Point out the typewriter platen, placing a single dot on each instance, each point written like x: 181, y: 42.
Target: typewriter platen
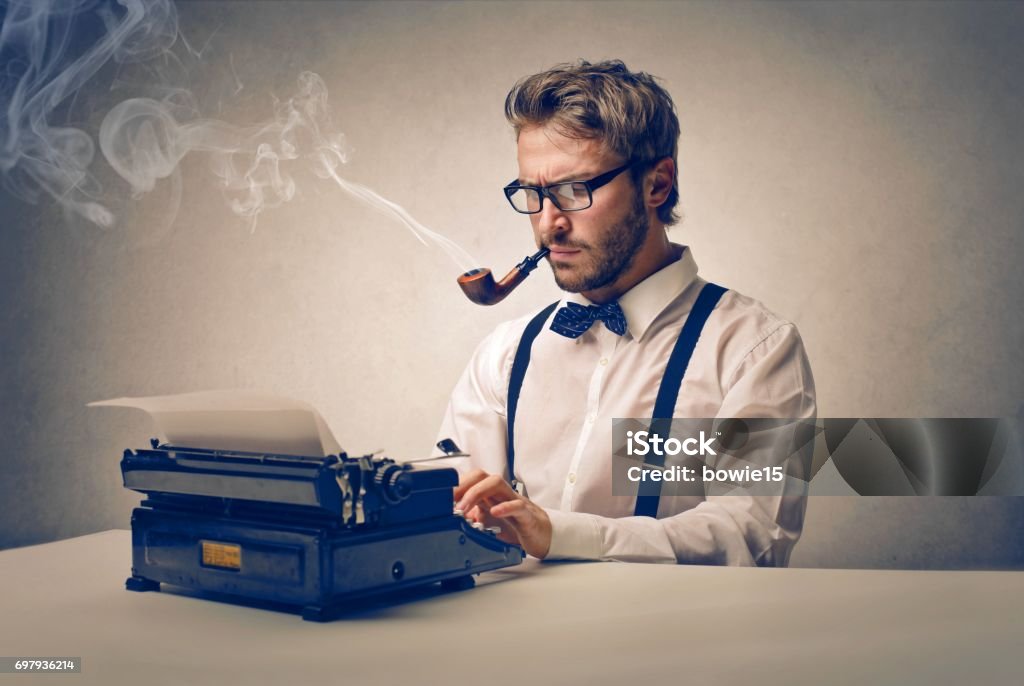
x: 315, y: 533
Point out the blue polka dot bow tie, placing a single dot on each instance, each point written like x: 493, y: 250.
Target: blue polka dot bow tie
x: 572, y: 320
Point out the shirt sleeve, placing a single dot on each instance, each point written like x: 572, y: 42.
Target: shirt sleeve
x: 475, y: 416
x: 773, y: 380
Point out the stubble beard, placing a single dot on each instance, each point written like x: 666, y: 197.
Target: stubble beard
x: 609, y: 259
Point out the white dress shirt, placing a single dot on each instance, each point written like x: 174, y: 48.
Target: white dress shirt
x: 747, y: 363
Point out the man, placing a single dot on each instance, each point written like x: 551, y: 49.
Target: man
x: 597, y: 148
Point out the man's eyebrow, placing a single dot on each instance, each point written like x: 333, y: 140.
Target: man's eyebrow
x: 574, y: 176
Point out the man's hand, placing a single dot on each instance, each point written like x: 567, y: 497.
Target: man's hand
x: 488, y: 498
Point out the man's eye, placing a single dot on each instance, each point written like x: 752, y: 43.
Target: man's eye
x: 565, y: 192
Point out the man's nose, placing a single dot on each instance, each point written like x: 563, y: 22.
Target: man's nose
x: 551, y: 220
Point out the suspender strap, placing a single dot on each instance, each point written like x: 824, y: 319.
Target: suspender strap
x: 515, y: 382
x: 664, y: 407
x: 668, y: 392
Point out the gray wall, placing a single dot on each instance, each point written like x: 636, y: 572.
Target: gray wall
x: 854, y: 166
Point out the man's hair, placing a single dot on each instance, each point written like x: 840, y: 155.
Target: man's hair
x: 628, y: 111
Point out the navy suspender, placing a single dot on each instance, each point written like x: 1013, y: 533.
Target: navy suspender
x: 664, y: 406
x: 515, y: 383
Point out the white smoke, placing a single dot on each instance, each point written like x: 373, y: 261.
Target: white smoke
x: 35, y: 38
x: 329, y: 164
x: 144, y: 142
x: 144, y: 139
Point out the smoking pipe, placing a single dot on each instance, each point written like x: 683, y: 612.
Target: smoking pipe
x: 480, y: 287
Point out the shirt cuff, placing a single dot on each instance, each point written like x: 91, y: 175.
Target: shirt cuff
x: 574, y: 536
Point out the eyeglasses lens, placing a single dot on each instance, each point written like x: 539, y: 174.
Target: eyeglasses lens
x: 572, y: 196
x: 525, y: 200
x: 567, y: 196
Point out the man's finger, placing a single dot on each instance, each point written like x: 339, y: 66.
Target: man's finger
x: 491, y: 487
x: 468, y: 481
x: 484, y: 488
x: 509, y: 508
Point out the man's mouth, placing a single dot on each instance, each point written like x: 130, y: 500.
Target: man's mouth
x: 563, y: 250
x: 564, y: 254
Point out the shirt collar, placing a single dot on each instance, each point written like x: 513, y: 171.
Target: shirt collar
x: 645, y: 301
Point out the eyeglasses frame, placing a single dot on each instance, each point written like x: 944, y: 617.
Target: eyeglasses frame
x: 545, y: 191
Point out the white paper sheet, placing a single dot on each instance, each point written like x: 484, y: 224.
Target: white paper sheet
x: 236, y: 420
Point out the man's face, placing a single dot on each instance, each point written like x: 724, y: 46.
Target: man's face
x: 591, y: 248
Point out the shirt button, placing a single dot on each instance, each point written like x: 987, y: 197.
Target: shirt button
x: 572, y: 477
x: 604, y: 361
x: 591, y: 417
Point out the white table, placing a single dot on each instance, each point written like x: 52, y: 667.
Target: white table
x: 593, y: 623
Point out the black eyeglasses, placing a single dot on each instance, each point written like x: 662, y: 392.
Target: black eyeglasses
x: 568, y: 196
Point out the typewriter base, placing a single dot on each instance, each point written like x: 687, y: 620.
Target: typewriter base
x: 318, y: 571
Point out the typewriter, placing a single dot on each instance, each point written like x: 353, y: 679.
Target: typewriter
x: 316, y: 534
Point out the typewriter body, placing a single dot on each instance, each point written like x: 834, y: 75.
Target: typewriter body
x: 314, y: 533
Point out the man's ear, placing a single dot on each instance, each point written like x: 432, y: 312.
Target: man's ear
x: 661, y: 179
